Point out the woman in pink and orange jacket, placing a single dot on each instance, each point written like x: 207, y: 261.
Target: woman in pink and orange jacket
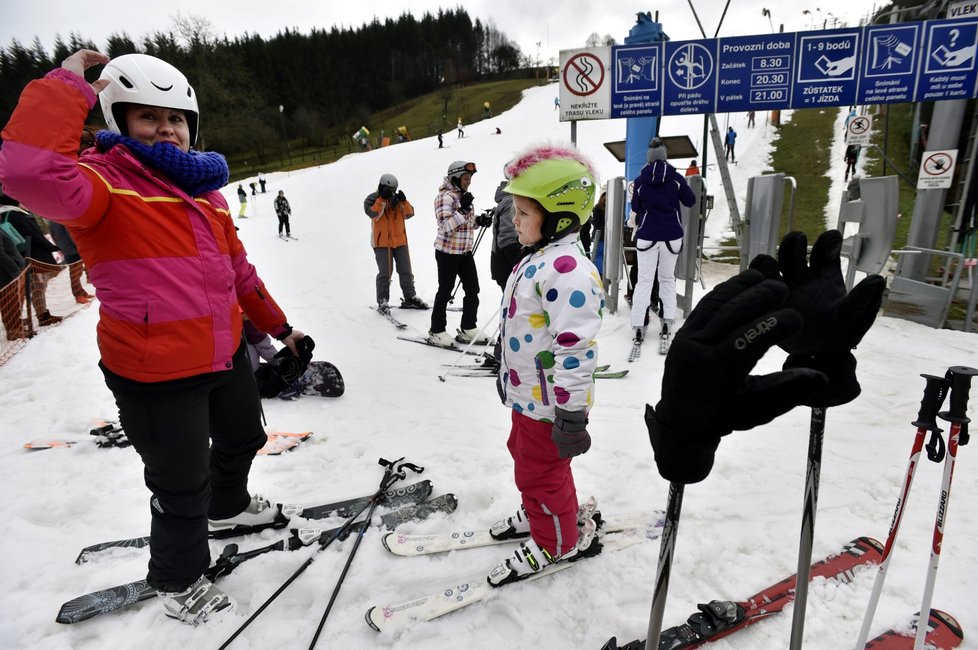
x: 170, y: 274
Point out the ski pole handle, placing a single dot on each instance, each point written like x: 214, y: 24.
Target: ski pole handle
x: 935, y: 392
x: 960, y: 377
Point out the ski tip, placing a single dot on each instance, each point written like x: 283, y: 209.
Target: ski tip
x: 383, y: 540
x: 948, y: 620
x: 47, y: 444
x: 369, y: 618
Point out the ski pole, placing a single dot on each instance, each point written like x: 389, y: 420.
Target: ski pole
x: 465, y: 350
x: 346, y: 567
x: 957, y: 415
x: 816, y: 435
x: 393, y: 471
x: 668, y: 546
x: 935, y: 392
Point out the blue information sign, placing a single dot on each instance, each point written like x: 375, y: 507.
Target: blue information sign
x: 877, y: 64
x: 636, y: 89
x: 948, y: 65
x: 825, y: 73
x: 690, y: 76
x: 755, y: 73
x: 889, y: 64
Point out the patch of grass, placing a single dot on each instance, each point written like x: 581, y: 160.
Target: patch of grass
x: 802, y: 152
x: 422, y: 116
x: 892, y: 126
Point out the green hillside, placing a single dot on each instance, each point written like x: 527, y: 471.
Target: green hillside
x: 422, y: 117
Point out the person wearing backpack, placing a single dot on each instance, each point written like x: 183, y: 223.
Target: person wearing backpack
x: 12, y: 263
x: 40, y: 249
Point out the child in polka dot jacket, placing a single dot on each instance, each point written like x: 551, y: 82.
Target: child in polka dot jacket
x: 551, y: 313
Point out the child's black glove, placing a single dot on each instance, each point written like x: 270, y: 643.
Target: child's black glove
x: 707, y: 390
x: 570, y: 433
x: 484, y: 220
x: 465, y: 202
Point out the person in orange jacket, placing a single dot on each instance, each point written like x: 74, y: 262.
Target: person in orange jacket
x: 172, y: 277
x: 388, y: 210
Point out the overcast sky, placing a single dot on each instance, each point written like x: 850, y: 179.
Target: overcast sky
x: 555, y: 25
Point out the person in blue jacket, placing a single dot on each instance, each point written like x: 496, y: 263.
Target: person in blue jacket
x: 730, y: 140
x: 659, y: 189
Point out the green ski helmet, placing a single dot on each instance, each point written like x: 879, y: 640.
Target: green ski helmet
x: 561, y: 180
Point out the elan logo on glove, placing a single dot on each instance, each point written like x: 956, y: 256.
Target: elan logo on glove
x: 763, y: 327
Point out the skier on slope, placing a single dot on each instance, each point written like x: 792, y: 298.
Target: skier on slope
x: 389, y: 209
x: 150, y: 223
x: 454, y: 241
x: 659, y: 191
x: 283, y: 211
x: 553, y: 304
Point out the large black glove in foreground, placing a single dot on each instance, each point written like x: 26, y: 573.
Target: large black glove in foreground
x: 707, y: 390
x: 835, y: 321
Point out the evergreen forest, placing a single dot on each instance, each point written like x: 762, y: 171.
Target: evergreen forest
x: 313, y: 89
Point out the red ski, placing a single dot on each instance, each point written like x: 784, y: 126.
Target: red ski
x: 717, y: 619
x: 943, y: 633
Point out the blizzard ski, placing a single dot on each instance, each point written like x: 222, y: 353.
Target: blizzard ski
x: 943, y: 633
x: 396, y: 497
x: 717, y: 619
x: 393, y: 321
x: 457, y: 540
x: 101, y: 602
x: 454, y: 347
x: 474, y: 588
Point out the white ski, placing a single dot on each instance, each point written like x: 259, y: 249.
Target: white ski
x: 635, y: 353
x: 664, y: 340
x: 412, y: 545
x: 474, y: 588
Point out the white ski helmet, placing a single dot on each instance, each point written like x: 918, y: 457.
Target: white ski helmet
x: 146, y: 80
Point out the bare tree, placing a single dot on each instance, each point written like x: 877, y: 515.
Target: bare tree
x: 194, y: 30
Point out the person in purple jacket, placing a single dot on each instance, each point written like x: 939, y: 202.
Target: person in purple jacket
x: 659, y: 189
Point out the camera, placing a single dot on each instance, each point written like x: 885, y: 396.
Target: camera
x: 484, y: 220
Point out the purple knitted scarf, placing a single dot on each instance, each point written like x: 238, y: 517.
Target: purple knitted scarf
x: 193, y: 172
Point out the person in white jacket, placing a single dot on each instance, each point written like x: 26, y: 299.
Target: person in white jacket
x: 553, y: 304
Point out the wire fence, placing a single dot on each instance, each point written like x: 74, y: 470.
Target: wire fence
x: 42, y: 296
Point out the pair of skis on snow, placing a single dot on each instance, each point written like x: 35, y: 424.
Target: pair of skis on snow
x: 601, y: 372
x: 636, y: 351
x: 409, y: 503
x: 111, y: 435
x: 718, y: 619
